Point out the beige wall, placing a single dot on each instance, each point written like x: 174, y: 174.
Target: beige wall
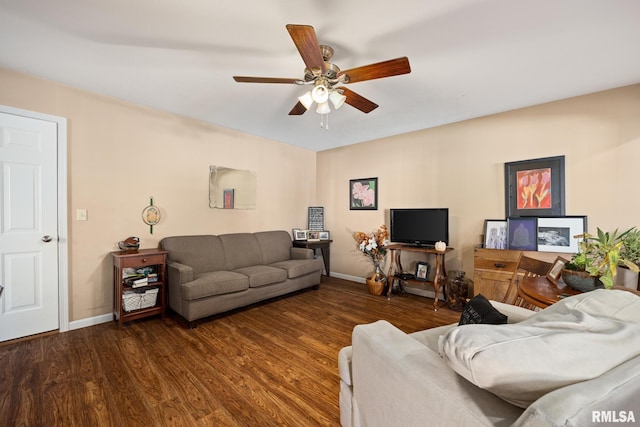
x: 461, y: 166
x: 119, y: 154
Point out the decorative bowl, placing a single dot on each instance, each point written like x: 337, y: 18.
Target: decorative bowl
x: 130, y: 244
x: 581, y: 280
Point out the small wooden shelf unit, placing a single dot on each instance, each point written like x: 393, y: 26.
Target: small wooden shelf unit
x: 395, y: 269
x: 155, y: 258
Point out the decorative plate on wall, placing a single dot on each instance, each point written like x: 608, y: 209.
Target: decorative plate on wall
x: 151, y: 215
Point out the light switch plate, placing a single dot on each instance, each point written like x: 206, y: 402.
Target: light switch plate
x: 81, y: 214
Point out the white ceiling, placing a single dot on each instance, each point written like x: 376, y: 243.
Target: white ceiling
x: 469, y: 58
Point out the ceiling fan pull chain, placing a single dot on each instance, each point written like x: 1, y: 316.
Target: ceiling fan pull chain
x: 324, y: 121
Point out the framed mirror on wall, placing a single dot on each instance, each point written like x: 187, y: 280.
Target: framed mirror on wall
x: 232, y: 188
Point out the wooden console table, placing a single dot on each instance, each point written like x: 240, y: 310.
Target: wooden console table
x: 396, y: 267
x: 323, y: 245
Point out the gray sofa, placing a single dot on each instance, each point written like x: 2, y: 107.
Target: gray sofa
x: 210, y: 274
x: 576, y: 363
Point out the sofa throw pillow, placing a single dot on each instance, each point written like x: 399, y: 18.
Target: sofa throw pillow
x: 576, y: 339
x: 480, y: 310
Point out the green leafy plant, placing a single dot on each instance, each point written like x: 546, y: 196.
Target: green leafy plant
x: 599, y: 255
x: 631, y: 246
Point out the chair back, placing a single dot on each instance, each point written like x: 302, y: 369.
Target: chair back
x: 532, y: 267
x: 527, y: 267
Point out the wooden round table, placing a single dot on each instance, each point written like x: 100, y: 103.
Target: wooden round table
x: 540, y: 292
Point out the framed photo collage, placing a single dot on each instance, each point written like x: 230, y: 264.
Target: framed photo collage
x: 535, y: 210
x: 544, y: 234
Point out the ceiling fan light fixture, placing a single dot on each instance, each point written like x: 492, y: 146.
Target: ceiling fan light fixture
x: 337, y: 99
x: 320, y: 94
x: 323, y: 108
x: 306, y: 100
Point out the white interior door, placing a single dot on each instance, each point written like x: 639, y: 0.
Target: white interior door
x: 28, y: 227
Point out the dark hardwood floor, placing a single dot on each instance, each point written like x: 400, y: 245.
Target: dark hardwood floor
x: 269, y: 364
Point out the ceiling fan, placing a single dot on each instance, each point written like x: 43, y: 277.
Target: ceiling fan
x: 325, y: 76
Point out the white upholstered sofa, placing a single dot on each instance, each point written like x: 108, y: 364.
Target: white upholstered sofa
x: 576, y: 363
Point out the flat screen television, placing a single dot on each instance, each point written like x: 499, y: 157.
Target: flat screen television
x: 420, y: 227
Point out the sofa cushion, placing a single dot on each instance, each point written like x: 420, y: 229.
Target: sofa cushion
x: 480, y: 310
x: 299, y: 267
x: 574, y: 340
x: 214, y: 283
x: 262, y: 275
x: 274, y: 245
x: 241, y: 250
x: 201, y: 253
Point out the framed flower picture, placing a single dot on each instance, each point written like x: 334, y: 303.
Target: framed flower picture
x: 363, y: 194
x: 534, y: 187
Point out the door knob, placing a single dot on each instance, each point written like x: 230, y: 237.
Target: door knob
x: 47, y: 239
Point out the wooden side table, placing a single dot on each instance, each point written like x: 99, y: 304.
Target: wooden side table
x: 325, y: 250
x: 156, y: 259
x: 396, y: 266
x: 540, y: 292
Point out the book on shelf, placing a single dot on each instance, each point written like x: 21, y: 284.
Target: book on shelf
x: 131, y: 280
x: 139, y: 282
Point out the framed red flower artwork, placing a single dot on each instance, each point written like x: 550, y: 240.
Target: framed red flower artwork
x: 535, y: 187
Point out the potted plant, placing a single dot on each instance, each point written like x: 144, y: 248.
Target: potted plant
x: 596, y: 263
x: 631, y: 246
x: 373, y: 246
x: 631, y: 252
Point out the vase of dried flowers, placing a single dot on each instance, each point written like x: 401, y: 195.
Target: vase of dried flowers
x: 377, y: 282
x: 374, y: 246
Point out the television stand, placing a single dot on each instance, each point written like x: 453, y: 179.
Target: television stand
x: 396, y: 267
x: 420, y: 246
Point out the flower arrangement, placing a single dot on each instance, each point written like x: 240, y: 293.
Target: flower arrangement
x: 373, y: 245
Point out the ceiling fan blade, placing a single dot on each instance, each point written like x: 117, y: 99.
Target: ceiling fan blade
x: 392, y: 67
x: 298, y: 109
x: 358, y: 101
x: 245, y: 79
x: 305, y: 39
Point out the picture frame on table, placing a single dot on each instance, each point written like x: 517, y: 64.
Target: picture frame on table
x: 363, y: 194
x: 422, y: 271
x: 299, y: 234
x: 495, y: 234
x: 522, y: 233
x: 535, y: 187
x: 561, y: 233
x: 313, y: 236
x: 556, y: 270
x: 324, y: 235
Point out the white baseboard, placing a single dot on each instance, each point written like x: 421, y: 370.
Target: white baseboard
x: 348, y: 277
x: 90, y: 321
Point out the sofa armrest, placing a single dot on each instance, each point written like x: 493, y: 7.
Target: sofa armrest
x: 179, y: 273
x: 301, y: 253
x: 399, y: 381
